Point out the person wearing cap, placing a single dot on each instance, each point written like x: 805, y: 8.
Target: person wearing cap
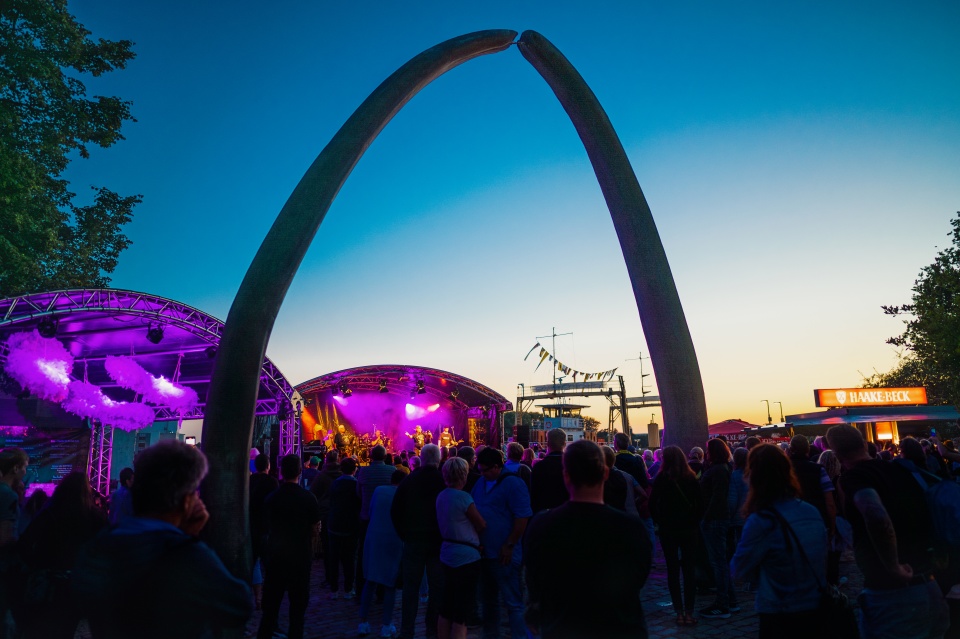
x: 310, y: 471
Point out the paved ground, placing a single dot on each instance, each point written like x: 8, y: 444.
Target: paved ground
x: 338, y: 619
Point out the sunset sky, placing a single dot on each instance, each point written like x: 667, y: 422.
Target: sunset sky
x: 802, y: 162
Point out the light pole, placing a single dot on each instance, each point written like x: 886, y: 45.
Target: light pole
x: 769, y: 418
x: 781, y: 411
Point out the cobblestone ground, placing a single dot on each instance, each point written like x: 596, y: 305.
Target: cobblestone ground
x: 338, y: 619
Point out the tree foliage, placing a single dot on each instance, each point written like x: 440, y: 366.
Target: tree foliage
x: 46, y: 240
x: 931, y: 340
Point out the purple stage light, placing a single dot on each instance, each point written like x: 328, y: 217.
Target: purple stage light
x: 340, y: 400
x: 415, y: 412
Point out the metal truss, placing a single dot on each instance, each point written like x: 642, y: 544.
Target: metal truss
x: 169, y: 312
x: 101, y: 454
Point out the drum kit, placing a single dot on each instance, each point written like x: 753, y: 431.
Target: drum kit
x: 359, y: 445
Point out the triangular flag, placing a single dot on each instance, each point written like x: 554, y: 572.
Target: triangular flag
x: 531, y: 350
x: 543, y: 356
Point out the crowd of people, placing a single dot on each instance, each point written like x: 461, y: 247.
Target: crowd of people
x: 560, y: 544
x: 554, y: 545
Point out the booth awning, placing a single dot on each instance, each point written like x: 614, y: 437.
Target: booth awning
x: 872, y: 415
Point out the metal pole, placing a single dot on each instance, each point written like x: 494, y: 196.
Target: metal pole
x: 769, y: 418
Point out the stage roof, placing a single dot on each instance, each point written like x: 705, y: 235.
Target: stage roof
x: 461, y: 392
x: 95, y: 323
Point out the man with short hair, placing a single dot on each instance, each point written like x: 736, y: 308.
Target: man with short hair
x: 121, y: 502
x: 504, y: 503
x: 369, y: 478
x: 513, y: 465
x: 292, y: 512
x: 414, y: 515
x: 150, y: 576
x: 321, y: 490
x: 891, y: 535
x: 612, y: 574
x: 344, y: 522
x: 547, y: 489
x: 262, y: 485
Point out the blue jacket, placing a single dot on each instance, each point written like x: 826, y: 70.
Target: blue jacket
x: 786, y: 583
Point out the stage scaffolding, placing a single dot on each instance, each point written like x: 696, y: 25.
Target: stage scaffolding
x: 82, y: 312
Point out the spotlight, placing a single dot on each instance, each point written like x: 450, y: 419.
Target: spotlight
x: 48, y: 327
x: 454, y: 394
x: 383, y: 386
x: 211, y: 352
x: 155, y: 334
x: 344, y: 390
x: 420, y: 388
x: 348, y: 392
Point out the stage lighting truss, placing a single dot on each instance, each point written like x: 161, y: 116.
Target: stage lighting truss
x: 51, y: 307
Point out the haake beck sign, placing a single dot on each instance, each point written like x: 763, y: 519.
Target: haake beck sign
x: 853, y: 397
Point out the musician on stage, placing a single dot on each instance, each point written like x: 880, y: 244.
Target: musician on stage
x: 446, y: 439
x: 342, y: 441
x: 418, y: 438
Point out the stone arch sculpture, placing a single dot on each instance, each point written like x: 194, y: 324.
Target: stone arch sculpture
x: 230, y: 402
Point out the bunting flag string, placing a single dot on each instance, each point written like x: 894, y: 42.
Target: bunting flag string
x: 546, y: 356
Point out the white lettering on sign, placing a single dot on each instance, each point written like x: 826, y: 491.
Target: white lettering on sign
x: 871, y: 396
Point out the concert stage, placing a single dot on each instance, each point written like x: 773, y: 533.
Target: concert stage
x: 395, y: 399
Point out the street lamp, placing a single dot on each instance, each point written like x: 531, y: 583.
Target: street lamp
x: 781, y: 410
x: 769, y: 418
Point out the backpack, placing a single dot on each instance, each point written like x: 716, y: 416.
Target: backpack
x: 943, y: 502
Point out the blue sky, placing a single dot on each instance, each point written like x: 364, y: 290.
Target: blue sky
x: 802, y: 162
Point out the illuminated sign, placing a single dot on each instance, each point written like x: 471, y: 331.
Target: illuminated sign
x: 853, y: 397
